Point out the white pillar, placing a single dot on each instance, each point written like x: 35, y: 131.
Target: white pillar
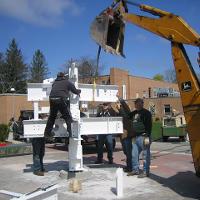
x: 75, y: 147
x: 124, y: 91
x: 119, y: 182
x: 36, y: 109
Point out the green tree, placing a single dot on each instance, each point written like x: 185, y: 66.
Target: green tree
x: 14, y: 70
x: 2, y: 74
x: 158, y: 77
x: 38, y: 69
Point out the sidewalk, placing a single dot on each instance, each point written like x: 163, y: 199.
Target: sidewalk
x: 172, y: 176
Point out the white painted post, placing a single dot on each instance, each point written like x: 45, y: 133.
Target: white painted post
x: 124, y: 91
x: 36, y: 109
x: 119, y: 182
x: 75, y: 147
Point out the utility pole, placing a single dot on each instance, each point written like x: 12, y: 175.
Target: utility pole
x: 13, y: 102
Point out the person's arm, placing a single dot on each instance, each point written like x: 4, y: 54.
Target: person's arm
x: 148, y: 123
x: 73, y: 89
x: 112, y: 112
x: 124, y: 105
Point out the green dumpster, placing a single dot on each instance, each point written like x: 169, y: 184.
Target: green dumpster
x: 156, y: 132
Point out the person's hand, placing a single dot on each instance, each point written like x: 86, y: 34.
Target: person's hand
x: 117, y: 105
x: 117, y: 95
x: 146, y: 141
x: 79, y: 92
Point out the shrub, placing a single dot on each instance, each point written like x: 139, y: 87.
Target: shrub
x: 4, y: 131
x: 157, y: 119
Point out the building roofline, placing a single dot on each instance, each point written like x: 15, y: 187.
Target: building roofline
x: 152, y: 79
x: 136, y: 76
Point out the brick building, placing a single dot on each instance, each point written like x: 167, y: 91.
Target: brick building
x: 160, y: 97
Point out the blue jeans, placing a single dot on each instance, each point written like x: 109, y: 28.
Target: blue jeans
x: 38, y: 153
x: 127, y: 149
x: 137, y: 147
x: 108, y: 141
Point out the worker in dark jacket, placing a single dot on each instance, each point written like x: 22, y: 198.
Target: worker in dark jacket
x: 126, y: 137
x: 107, y: 139
x: 59, y: 101
x: 142, y: 125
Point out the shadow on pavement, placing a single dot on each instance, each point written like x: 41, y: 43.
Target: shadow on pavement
x: 186, y: 184
x: 56, y: 166
x: 90, y: 162
x: 58, y: 146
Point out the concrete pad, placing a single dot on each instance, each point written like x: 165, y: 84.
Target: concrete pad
x: 173, y: 178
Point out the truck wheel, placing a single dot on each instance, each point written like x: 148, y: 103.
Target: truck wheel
x: 165, y: 138
x: 182, y: 138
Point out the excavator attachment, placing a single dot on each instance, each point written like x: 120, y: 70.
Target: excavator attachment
x: 108, y: 31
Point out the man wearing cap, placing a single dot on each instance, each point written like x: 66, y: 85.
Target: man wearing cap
x: 107, y: 139
x: 142, y: 125
x: 59, y: 101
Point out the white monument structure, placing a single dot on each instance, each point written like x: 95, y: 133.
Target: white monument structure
x: 81, y: 126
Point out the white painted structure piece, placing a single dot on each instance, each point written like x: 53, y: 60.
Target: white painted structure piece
x: 119, y: 182
x: 87, y: 126
x: 48, y: 193
x: 81, y: 126
x: 89, y: 92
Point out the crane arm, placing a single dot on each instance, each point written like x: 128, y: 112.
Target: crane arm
x: 176, y: 30
x: 108, y: 31
x: 168, y: 26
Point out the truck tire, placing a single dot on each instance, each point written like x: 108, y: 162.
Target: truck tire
x: 165, y: 138
x: 182, y: 138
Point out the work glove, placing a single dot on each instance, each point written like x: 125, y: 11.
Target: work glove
x: 146, y: 140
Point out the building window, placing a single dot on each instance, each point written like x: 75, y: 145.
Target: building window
x: 167, y: 109
x: 103, y: 82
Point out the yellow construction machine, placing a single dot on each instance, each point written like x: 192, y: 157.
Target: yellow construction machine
x: 108, y: 31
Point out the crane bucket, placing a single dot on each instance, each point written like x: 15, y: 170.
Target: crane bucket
x: 108, y: 32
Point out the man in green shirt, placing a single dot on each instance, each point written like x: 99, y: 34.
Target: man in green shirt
x: 142, y: 125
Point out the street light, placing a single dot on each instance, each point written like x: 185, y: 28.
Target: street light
x: 12, y: 90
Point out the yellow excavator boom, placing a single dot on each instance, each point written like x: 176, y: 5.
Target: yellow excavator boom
x: 108, y: 31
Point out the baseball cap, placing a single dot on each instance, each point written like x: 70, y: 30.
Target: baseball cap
x: 60, y: 74
x: 139, y: 100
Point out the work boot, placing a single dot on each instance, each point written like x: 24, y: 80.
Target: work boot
x: 110, y: 161
x: 126, y: 169
x: 99, y: 161
x: 133, y: 173
x: 38, y: 173
x: 143, y: 175
x: 44, y: 170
